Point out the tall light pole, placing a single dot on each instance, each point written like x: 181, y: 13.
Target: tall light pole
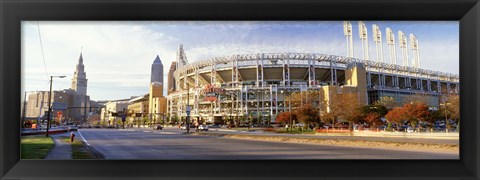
x: 446, y: 118
x: 290, y: 109
x: 50, y: 102
x: 24, y: 110
x: 188, y: 109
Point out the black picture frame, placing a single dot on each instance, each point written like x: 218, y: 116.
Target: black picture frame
x: 12, y: 12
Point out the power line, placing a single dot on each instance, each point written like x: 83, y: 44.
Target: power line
x: 96, y: 87
x: 41, y: 47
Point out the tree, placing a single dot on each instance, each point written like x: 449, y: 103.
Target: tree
x: 372, y: 114
x: 416, y: 98
x: 432, y: 117
x: 284, y: 117
x: 454, y: 107
x: 387, y: 101
x: 411, y: 112
x: 345, y: 106
x: 452, y: 111
x: 93, y: 118
x: 415, y: 112
x: 396, y: 115
x: 307, y: 114
x: 373, y: 119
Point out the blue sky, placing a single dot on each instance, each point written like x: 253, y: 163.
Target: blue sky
x: 118, y: 55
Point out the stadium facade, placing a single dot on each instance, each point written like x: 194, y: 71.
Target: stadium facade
x: 259, y: 84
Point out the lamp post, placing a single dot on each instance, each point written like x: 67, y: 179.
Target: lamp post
x: 50, y: 102
x: 163, y: 118
x: 188, y: 109
x: 447, y: 124
x: 290, y: 110
x: 224, y: 117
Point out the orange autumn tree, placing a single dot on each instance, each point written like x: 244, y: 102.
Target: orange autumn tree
x: 284, y: 117
x: 396, y: 115
x: 344, y: 106
x: 307, y: 114
x: 373, y: 119
x: 412, y: 113
x: 415, y: 112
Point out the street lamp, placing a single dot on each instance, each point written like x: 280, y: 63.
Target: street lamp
x: 224, y: 117
x: 447, y: 124
x: 50, y: 102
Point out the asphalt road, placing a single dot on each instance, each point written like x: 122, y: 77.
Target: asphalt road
x: 172, y: 144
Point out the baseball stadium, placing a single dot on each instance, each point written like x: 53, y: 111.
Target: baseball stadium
x: 260, y: 84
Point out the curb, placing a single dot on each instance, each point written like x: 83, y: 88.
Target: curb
x: 95, y: 152
x: 44, y: 132
x: 91, y: 149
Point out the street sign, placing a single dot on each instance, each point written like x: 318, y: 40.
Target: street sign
x: 188, y: 110
x: 59, y: 106
x: 59, y: 114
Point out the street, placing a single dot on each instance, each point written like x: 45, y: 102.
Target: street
x: 171, y: 144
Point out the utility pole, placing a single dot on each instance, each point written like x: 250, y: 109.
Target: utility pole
x: 290, y: 109
x: 49, y: 106
x: 188, y: 108
x: 24, y: 106
x: 85, y: 110
x: 50, y: 102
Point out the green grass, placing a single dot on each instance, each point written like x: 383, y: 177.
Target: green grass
x: 35, y: 147
x: 80, y: 149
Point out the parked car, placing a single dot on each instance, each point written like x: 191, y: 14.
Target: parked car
x: 409, y: 130
x: 184, y: 127
x: 327, y: 126
x: 215, y: 126
x: 300, y: 125
x: 382, y: 127
x: 72, y: 128
x: 203, y: 128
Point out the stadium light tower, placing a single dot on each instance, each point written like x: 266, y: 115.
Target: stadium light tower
x: 362, y: 29
x: 347, y: 31
x: 402, y: 40
x: 415, y: 50
x: 377, y: 38
x: 391, y: 44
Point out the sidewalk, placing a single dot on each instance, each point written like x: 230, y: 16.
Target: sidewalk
x: 61, y: 149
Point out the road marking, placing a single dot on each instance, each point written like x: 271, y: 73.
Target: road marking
x: 126, y: 130
x: 83, y: 138
x: 166, y: 133
x: 146, y: 131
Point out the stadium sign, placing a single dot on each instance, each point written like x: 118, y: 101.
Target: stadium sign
x: 211, y: 92
x: 259, y: 89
